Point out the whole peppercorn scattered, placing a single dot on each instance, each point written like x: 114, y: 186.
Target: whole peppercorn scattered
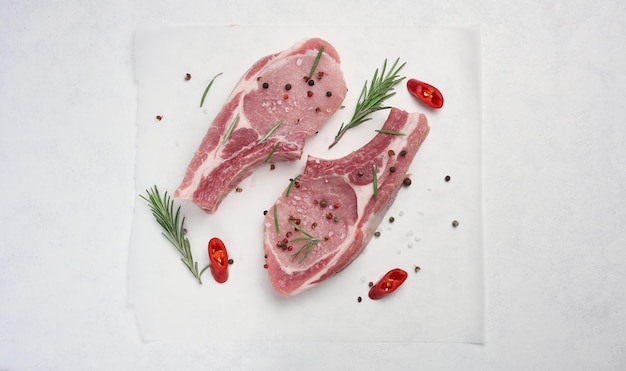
x: 455, y: 223
x: 406, y: 182
x: 329, y: 94
x: 403, y: 153
x: 311, y: 82
x: 447, y: 178
x: 323, y: 203
x: 359, y: 299
x: 272, y: 166
x: 188, y: 76
x: 392, y: 169
x: 370, y: 284
x: 392, y: 219
x: 335, y: 218
x: 238, y: 189
x: 266, y: 85
x: 377, y: 234
x: 230, y: 261
x: 288, y: 87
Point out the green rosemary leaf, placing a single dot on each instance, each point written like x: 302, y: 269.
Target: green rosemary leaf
x: 276, y: 220
x: 293, y: 181
x: 382, y: 131
x: 173, y: 226
x: 372, y: 99
x: 375, y: 181
x: 207, y: 89
x: 317, y: 61
x: 230, y: 128
x: 297, y: 227
x: 272, y: 151
x: 272, y: 130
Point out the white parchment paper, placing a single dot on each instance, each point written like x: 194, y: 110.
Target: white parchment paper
x: 443, y: 302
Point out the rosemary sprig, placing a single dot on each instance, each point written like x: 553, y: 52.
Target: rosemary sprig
x: 317, y: 61
x: 272, y: 130
x: 272, y: 151
x: 375, y: 181
x: 382, y: 131
x: 370, y: 101
x: 173, y: 227
x: 230, y: 129
x: 207, y: 89
x: 293, y: 181
x: 307, y: 247
x: 276, y: 220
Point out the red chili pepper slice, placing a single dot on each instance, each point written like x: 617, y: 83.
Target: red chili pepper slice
x: 388, y: 284
x: 218, y: 257
x: 426, y: 93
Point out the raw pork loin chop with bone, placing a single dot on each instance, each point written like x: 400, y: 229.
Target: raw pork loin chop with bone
x: 275, y: 106
x: 326, y: 216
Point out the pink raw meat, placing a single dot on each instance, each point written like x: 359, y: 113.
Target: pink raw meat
x: 275, y: 88
x: 331, y: 210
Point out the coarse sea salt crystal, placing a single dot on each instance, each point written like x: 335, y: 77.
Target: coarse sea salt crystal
x: 298, y: 62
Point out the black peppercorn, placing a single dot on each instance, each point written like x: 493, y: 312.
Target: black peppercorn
x: 329, y: 94
x: 266, y: 85
x: 288, y: 87
x: 311, y: 82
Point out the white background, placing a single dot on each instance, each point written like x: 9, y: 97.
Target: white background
x: 554, y: 186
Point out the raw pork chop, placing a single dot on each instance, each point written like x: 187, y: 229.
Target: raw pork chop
x: 275, y: 93
x: 327, y: 215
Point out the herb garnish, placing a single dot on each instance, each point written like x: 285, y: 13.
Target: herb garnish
x: 276, y: 220
x: 307, y: 247
x: 272, y: 151
x: 382, y: 131
x: 230, y: 128
x: 293, y: 181
x: 375, y: 181
x: 272, y: 130
x: 372, y: 100
x: 317, y: 60
x: 207, y: 89
x: 173, y: 227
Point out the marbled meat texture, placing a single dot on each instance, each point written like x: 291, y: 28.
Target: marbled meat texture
x: 275, y: 88
x: 326, y: 218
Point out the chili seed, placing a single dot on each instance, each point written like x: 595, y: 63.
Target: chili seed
x: 447, y: 178
x: 455, y: 223
x: 238, y: 189
x: 329, y: 94
x: 323, y: 203
x: 392, y: 169
x: 417, y: 268
x: 258, y: 78
x: 403, y: 153
x: 266, y: 85
x: 188, y: 76
x: 288, y: 87
x: 272, y: 166
x: 318, y: 110
x: 288, y: 234
x: 359, y: 299
x: 311, y: 82
x: 377, y: 234
x: 392, y: 219
x: 314, y: 225
x: 406, y: 182
x: 231, y: 261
